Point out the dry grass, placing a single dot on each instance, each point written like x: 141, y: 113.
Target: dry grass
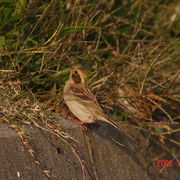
x: 138, y: 41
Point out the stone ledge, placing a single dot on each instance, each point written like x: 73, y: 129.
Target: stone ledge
x: 108, y: 160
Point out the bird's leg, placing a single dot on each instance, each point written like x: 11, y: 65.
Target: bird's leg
x: 79, y: 123
x: 85, y: 125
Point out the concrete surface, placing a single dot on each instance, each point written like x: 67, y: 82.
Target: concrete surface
x: 102, y: 156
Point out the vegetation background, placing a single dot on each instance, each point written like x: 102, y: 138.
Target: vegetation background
x: 137, y: 40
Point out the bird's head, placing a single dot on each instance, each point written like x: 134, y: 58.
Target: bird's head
x: 78, y: 76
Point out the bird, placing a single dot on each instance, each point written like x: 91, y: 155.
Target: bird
x: 138, y: 106
x: 82, y: 103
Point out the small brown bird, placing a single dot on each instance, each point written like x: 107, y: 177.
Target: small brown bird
x: 138, y: 106
x: 82, y: 103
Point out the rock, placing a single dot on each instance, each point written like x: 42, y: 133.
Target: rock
x: 97, y: 154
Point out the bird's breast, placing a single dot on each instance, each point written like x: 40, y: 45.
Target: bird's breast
x: 82, y: 112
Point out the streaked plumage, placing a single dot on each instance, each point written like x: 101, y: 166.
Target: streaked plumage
x: 138, y: 107
x: 82, y: 103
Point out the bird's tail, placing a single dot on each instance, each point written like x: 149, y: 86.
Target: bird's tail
x: 119, y: 128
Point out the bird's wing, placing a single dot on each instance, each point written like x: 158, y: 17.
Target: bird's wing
x: 86, y: 97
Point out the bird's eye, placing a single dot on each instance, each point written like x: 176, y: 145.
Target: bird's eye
x: 76, y: 77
